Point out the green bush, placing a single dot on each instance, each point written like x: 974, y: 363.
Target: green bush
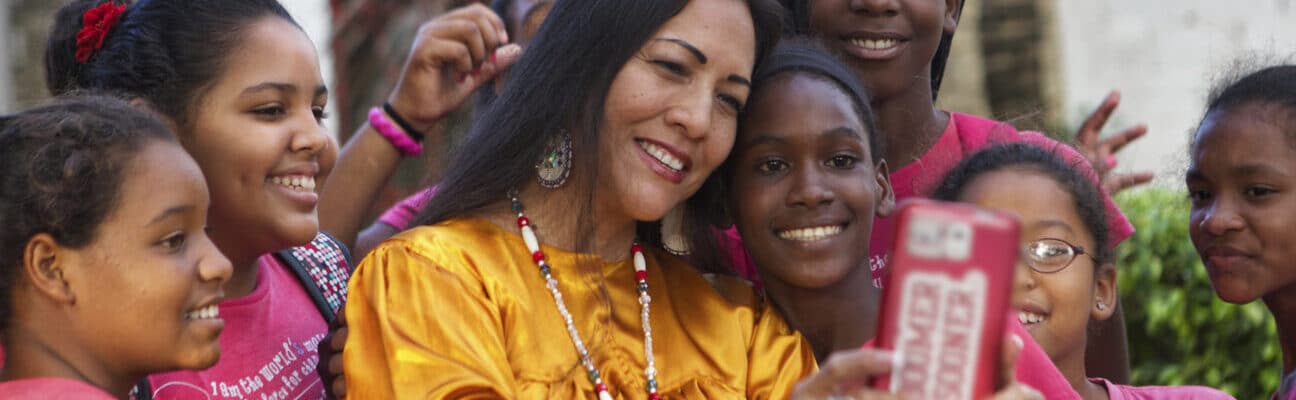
x: 1180, y: 333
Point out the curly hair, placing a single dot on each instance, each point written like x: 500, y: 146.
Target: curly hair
x: 1086, y: 197
x: 61, y: 169
x: 168, y: 52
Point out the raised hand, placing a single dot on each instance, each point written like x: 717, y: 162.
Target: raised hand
x: 1101, y: 152
x: 451, y: 57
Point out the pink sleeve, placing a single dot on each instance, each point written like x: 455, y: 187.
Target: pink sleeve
x: 1118, y: 225
x: 1035, y: 369
x: 401, y: 214
x: 977, y: 133
x: 732, y: 246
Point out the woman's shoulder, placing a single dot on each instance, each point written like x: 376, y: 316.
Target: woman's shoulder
x: 456, y: 245
x: 729, y: 289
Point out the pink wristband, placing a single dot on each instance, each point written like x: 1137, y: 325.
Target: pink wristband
x: 403, y: 143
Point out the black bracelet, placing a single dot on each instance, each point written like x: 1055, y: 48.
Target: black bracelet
x: 405, y: 126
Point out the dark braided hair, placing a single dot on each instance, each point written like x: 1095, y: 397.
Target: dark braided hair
x: 168, y: 52
x: 61, y: 172
x: 1085, y: 195
x: 806, y: 56
x: 62, y: 70
x: 1272, y: 86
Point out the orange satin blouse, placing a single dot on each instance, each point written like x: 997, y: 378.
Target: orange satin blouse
x: 458, y: 310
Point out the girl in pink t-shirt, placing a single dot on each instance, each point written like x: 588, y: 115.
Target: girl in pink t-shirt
x: 240, y: 82
x: 105, y: 279
x: 806, y: 179
x: 1240, y: 178
x: 1065, y: 282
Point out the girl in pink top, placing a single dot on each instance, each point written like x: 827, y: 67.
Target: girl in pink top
x: 1066, y: 282
x: 806, y: 179
x: 899, y: 49
x: 103, y: 278
x: 1240, y: 178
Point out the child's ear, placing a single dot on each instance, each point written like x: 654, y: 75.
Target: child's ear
x: 1105, y: 294
x: 885, y: 203
x: 44, y: 265
x: 952, y: 10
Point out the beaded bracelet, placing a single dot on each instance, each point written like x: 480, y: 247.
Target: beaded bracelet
x: 403, y: 142
x: 405, y: 126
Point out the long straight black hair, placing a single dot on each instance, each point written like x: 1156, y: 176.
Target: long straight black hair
x: 798, y: 12
x: 561, y: 83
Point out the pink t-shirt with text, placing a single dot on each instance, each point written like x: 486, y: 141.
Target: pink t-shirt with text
x: 52, y: 389
x: 269, y: 348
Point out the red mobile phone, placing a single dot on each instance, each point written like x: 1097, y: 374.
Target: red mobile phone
x: 945, y: 298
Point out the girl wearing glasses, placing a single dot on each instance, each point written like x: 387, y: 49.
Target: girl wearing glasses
x: 1066, y: 279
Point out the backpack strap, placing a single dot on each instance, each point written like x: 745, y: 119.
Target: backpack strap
x: 323, y: 267
x: 142, y: 390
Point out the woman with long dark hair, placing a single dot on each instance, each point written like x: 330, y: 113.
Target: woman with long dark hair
x: 540, y: 270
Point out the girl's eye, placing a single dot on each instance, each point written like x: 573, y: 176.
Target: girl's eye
x: 1198, y: 195
x: 271, y: 111
x: 1259, y: 191
x: 841, y: 161
x: 320, y: 114
x: 173, y: 241
x: 770, y: 167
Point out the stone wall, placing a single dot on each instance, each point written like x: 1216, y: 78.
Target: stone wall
x: 25, y: 24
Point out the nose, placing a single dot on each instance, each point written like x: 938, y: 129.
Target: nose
x: 1024, y: 278
x: 692, y: 114
x: 213, y: 266
x: 1221, y: 217
x: 809, y: 189
x: 309, y: 136
x: 887, y: 8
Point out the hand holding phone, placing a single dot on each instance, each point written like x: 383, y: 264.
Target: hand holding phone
x: 945, y: 295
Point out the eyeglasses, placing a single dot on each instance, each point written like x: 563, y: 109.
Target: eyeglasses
x: 1050, y: 255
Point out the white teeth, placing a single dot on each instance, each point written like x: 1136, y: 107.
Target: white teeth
x: 661, y: 155
x: 810, y: 234
x: 1029, y: 317
x: 871, y: 44
x: 207, y: 312
x: 298, y: 183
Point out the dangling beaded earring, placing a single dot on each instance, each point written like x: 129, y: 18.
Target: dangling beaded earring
x: 672, y: 230
x: 553, y: 168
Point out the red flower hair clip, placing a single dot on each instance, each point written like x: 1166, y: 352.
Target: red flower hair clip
x: 96, y: 23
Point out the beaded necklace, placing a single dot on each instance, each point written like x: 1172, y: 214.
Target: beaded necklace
x: 641, y: 277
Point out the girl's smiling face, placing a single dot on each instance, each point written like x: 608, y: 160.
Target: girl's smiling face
x: 1242, y: 181
x: 147, y: 286
x: 804, y: 186
x: 890, y: 44
x: 257, y: 136
x: 1056, y: 307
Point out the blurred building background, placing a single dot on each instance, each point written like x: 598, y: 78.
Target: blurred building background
x: 1042, y: 63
